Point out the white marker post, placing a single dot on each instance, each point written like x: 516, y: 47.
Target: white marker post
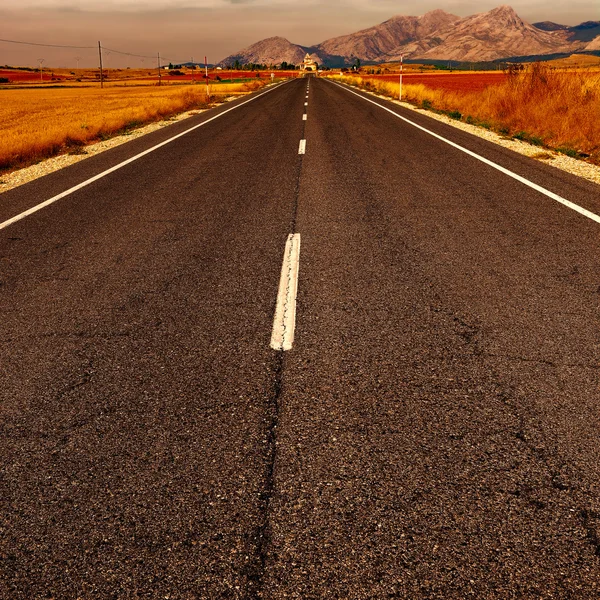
x: 206, y: 75
x: 400, y: 97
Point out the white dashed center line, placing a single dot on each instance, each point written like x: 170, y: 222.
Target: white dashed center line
x: 304, y: 117
x: 302, y: 147
x: 284, y: 322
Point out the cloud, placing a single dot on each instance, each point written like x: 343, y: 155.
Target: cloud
x: 146, y: 6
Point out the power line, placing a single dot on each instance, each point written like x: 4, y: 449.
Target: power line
x: 127, y: 53
x: 47, y: 45
x: 87, y: 48
x: 111, y: 50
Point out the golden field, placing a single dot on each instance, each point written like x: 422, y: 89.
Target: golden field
x: 38, y: 123
x: 554, y: 108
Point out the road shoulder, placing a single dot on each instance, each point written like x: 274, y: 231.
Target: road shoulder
x: 547, y: 156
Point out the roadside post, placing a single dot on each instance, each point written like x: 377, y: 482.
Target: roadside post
x: 206, y: 75
x: 272, y: 77
x: 400, y: 96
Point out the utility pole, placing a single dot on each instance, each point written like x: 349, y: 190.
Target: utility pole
x: 78, y: 58
x: 193, y: 69
x: 41, y: 61
x: 101, y: 72
x: 159, y: 80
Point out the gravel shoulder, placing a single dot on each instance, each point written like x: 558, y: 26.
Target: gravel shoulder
x: 555, y: 159
x: 573, y: 166
x: 45, y: 167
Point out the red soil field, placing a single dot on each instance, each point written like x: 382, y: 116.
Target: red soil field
x: 26, y: 76
x: 212, y: 75
x: 473, y: 82
x: 252, y: 74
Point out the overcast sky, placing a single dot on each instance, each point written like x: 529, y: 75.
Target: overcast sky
x: 182, y: 29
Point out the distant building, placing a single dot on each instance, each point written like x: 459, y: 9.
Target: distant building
x: 308, y: 65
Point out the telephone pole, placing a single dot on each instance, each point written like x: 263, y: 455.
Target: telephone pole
x: 41, y: 61
x: 159, y: 80
x: 101, y: 72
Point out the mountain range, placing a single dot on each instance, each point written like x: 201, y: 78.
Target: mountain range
x: 436, y: 35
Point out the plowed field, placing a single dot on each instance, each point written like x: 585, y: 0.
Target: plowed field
x: 472, y: 82
x: 26, y: 76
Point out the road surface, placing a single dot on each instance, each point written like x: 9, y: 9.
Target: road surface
x: 433, y: 432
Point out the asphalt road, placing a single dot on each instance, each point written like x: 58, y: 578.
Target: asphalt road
x: 433, y: 432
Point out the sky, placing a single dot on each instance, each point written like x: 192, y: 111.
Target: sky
x: 184, y: 29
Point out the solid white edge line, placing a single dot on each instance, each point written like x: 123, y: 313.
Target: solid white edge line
x: 534, y: 186
x: 87, y: 182
x: 302, y: 147
x: 284, y: 321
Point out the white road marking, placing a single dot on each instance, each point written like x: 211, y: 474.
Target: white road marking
x: 534, y: 186
x: 306, y: 104
x: 302, y: 147
x: 87, y: 182
x: 284, y: 322
x: 304, y: 117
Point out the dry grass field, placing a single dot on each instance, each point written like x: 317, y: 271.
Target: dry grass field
x: 554, y: 108
x: 38, y: 123
x: 18, y: 77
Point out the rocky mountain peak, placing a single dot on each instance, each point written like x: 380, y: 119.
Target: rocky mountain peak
x: 437, y: 35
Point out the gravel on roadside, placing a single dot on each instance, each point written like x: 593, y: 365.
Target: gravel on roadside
x: 571, y: 165
x: 560, y: 161
x: 19, y: 177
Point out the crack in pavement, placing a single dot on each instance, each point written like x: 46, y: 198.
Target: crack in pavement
x: 263, y: 532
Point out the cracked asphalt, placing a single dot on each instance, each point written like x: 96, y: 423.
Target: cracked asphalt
x: 433, y: 433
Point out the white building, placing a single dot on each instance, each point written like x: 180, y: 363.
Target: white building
x: 308, y: 65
